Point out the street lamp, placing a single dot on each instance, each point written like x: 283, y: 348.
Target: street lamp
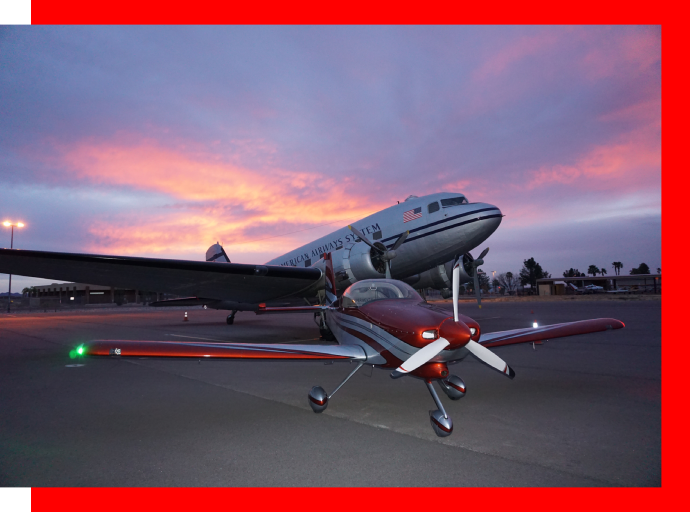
x: 9, y: 224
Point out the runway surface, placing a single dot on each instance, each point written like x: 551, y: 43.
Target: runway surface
x: 582, y: 411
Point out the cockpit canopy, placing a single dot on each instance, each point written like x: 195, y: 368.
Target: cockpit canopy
x: 369, y: 290
x: 453, y: 201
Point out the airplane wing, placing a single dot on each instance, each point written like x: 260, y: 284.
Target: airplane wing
x: 233, y: 282
x: 547, y: 332
x: 196, y: 350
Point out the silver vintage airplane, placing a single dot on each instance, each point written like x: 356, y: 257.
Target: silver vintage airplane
x: 417, y: 241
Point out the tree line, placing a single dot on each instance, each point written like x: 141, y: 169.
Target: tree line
x: 531, y: 271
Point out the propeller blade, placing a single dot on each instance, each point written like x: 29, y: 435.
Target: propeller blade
x: 423, y: 355
x: 388, y: 269
x: 400, y: 241
x: 456, y: 287
x: 486, y: 356
x: 484, y: 253
x: 477, y: 291
x: 364, y: 238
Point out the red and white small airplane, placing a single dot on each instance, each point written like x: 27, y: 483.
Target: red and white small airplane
x: 383, y: 323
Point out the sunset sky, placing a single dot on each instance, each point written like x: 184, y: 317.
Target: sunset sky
x: 159, y: 141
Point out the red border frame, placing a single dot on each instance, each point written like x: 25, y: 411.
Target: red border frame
x: 674, y: 109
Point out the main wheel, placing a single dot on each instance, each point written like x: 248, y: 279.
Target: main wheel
x: 318, y: 399
x: 230, y: 319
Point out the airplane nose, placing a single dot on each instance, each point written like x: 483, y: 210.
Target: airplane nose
x: 457, y: 333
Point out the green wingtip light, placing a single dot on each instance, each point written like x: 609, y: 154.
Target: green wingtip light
x: 80, y: 350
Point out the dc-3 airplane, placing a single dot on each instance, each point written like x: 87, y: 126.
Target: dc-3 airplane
x: 424, y: 235
x: 383, y: 323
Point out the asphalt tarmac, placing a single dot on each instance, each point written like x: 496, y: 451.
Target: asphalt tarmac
x: 581, y: 411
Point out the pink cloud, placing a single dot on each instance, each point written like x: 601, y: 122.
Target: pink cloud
x: 622, y: 166
x: 638, y: 49
x: 214, y: 199
x: 512, y: 53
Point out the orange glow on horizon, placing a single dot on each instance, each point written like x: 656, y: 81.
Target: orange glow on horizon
x: 212, y: 200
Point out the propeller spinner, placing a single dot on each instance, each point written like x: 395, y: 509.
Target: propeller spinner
x: 455, y: 330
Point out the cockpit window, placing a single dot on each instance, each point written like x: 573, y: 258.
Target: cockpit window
x: 369, y: 290
x: 453, y: 201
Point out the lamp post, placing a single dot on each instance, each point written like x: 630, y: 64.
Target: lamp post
x: 9, y: 224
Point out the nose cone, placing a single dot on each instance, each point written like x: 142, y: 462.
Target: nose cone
x: 488, y: 218
x: 457, y: 333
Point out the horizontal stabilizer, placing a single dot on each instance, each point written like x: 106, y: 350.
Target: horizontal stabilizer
x: 546, y: 332
x: 119, y: 348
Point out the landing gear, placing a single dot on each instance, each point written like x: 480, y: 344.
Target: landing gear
x: 318, y: 399
x: 231, y: 317
x: 453, y: 386
x: 440, y: 421
x: 324, y: 331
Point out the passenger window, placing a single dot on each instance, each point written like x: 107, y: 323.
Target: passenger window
x: 377, y: 235
x: 307, y: 263
x: 434, y: 207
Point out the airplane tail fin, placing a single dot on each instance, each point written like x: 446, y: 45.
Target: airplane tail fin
x: 217, y: 253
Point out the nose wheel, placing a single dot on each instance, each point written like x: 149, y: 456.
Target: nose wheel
x: 231, y: 317
x: 440, y: 421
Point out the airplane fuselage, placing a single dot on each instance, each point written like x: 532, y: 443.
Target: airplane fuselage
x: 439, y: 233
x: 390, y: 331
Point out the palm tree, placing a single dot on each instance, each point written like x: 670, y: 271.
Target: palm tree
x: 603, y: 271
x: 593, y: 269
x: 617, y: 265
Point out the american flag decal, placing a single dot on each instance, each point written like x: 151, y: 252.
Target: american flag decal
x: 412, y: 214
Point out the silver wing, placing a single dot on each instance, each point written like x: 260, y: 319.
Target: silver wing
x: 233, y: 282
x: 195, y: 350
x: 546, y: 332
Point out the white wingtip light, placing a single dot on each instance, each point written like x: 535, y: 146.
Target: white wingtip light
x: 535, y: 325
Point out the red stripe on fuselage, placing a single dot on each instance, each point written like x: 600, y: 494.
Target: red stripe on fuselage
x: 391, y: 360
x: 405, y: 319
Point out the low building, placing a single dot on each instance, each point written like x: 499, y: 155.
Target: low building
x: 79, y: 293
x: 639, y: 283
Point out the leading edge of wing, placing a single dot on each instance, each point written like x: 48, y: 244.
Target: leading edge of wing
x: 122, y: 348
x: 528, y: 335
x: 11, y: 257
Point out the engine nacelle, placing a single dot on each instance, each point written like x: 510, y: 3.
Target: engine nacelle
x: 440, y: 277
x: 358, y: 261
